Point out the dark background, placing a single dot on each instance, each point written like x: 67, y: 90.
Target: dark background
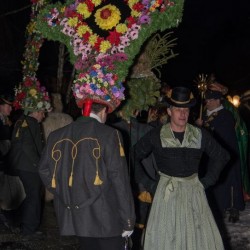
x: 213, y: 37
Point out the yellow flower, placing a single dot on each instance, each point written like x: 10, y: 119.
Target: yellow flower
x: 62, y: 9
x: 111, y: 19
x: 31, y: 27
x: 81, y: 30
x: 135, y: 13
x: 121, y: 28
x: 32, y: 92
x: 97, y: 66
x: 82, y: 9
x: 93, y: 39
x: 72, y: 22
x: 105, y: 84
x: 104, y: 46
x: 98, y: 85
x: 96, y: 2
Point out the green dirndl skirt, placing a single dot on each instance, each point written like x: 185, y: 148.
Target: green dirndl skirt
x: 180, y: 217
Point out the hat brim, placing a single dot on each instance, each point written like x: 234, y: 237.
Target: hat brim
x: 4, y: 101
x: 189, y: 104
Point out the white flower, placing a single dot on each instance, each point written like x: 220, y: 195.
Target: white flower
x: 39, y: 105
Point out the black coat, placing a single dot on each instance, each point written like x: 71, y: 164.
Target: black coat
x: 26, y: 145
x: 86, y: 209
x: 5, y: 135
x: 222, y: 126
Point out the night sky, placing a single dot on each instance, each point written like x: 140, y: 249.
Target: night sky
x: 214, y: 36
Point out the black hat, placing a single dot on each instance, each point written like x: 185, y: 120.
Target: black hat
x: 6, y: 99
x: 181, y: 97
x: 211, y: 94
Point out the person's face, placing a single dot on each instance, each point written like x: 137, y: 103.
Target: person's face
x: 212, y: 104
x: 5, y: 109
x: 179, y: 118
x: 39, y: 115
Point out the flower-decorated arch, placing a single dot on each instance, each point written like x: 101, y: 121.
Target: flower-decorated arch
x: 103, y: 38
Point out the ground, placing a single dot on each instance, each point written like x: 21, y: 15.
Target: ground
x: 239, y: 234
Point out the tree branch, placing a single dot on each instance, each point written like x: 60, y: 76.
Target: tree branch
x: 16, y: 11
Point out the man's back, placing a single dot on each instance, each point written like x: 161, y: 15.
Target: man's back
x: 84, y: 168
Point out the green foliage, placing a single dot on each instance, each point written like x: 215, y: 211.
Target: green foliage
x: 142, y: 93
x: 159, y: 50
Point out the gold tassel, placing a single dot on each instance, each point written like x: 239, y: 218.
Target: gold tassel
x: 24, y: 124
x: 53, y: 183
x: 121, y: 150
x: 71, y: 180
x: 17, y: 133
x: 97, y: 181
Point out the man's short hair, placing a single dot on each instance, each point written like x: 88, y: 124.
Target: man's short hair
x: 97, y: 107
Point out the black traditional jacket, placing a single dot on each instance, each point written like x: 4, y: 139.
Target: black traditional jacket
x: 181, y: 159
x: 26, y: 144
x: 84, y: 166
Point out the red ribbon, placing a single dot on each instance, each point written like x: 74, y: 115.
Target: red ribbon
x: 87, y: 107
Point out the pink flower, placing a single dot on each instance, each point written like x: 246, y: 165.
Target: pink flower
x: 135, y: 27
x: 114, y: 50
x: 125, y: 41
x: 121, y: 48
x: 134, y: 34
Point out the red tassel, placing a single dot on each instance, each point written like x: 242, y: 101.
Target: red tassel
x: 87, y: 107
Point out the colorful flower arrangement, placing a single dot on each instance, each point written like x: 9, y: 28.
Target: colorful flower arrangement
x: 96, y: 26
x: 31, y: 96
x: 34, y: 41
x: 108, y: 33
x: 98, y: 83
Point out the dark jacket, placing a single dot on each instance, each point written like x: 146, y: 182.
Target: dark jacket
x: 26, y: 144
x: 86, y: 149
x: 5, y: 135
x: 221, y: 124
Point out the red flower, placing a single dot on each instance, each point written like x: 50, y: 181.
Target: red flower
x: 28, y: 82
x: 16, y: 105
x: 131, y: 20
x: 138, y: 7
x: 20, y: 96
x: 98, y: 42
x: 115, y: 77
x: 90, y: 5
x: 86, y: 36
x: 114, y: 37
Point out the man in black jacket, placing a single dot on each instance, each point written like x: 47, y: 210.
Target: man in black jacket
x: 84, y: 166
x: 227, y: 194
x: 26, y: 147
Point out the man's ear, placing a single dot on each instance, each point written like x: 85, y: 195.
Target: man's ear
x: 169, y: 111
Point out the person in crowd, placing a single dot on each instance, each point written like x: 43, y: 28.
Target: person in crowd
x: 180, y: 217
x: 5, y: 135
x: 54, y: 120
x: 241, y: 130
x: 5, y: 127
x: 84, y: 166
x: 227, y: 194
x: 26, y: 147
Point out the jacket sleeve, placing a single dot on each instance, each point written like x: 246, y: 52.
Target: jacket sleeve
x: 218, y: 157
x: 44, y: 168
x: 142, y: 150
x: 118, y: 173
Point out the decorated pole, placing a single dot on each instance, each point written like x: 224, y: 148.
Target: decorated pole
x: 202, y: 84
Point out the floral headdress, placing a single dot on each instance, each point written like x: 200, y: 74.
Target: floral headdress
x: 30, y: 96
x: 103, y: 37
